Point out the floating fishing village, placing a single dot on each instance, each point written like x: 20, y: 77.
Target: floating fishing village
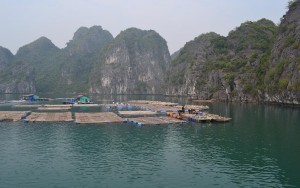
x: 137, y: 112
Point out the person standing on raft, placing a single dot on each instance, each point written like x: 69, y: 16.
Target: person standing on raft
x: 181, y: 111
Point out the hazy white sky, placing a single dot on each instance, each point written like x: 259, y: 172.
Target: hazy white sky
x: 178, y: 21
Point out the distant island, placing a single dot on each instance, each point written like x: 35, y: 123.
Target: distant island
x: 257, y: 62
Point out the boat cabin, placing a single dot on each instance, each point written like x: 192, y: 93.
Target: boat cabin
x: 30, y: 97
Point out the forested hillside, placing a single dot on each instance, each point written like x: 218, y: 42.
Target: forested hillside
x: 257, y: 61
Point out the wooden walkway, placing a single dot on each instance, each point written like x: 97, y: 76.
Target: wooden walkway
x: 86, y: 105
x: 27, y: 106
x: 57, y: 105
x: 13, y: 115
x: 98, y: 117
x: 159, y: 106
x: 155, y: 120
x: 137, y: 113
x: 49, y: 108
x: 50, y: 117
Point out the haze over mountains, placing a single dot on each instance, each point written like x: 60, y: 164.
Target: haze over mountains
x: 257, y: 61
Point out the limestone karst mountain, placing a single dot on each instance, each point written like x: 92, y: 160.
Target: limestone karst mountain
x: 135, y: 62
x: 257, y: 61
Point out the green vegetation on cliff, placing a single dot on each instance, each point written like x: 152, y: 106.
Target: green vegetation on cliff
x: 257, y: 61
x: 232, y: 66
x: 42, y: 67
x: 5, y: 57
x: 282, y: 75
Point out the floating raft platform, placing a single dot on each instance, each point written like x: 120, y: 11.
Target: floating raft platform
x: 194, y: 107
x: 159, y: 106
x: 27, y: 106
x: 49, y: 117
x: 98, y: 117
x: 47, y: 108
x: 85, y: 105
x: 137, y: 113
x: 13, y: 115
x: 58, y: 105
x: 115, y: 105
x: 205, y: 117
x: 141, y: 121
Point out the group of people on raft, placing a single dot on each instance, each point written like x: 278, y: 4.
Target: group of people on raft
x: 190, y: 111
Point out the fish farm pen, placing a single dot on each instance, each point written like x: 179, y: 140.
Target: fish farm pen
x: 144, y: 113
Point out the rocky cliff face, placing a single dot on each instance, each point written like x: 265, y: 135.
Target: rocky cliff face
x: 187, y: 70
x: 28, y: 67
x: 79, y: 57
x: 37, y: 51
x: 5, y: 57
x: 36, y: 62
x: 21, y: 80
x: 227, y: 68
x: 42, y: 67
x: 135, y: 62
x: 257, y: 61
x: 88, y: 41
x: 283, y: 75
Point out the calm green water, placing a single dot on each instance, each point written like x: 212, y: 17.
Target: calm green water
x: 259, y: 148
